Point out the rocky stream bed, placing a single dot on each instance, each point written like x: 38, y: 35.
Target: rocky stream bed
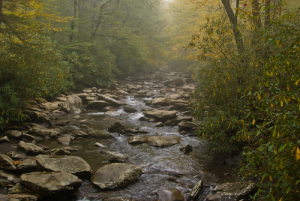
x: 131, y: 142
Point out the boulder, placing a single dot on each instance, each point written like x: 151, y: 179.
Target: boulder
x: 171, y: 194
x: 64, y: 140
x: 186, y: 149
x: 9, y: 177
x: 42, y: 131
x: 51, y: 183
x: 98, y: 104
x: 162, y: 115
x: 99, y: 133
x: 58, y: 152
x: 69, y: 164
x: 17, y: 189
x: 116, y: 127
x: 130, y: 109
x: 186, y: 126
x: 133, y: 87
x: 122, y: 92
x: 137, y: 140
x: 62, y: 122
x: 12, y: 134
x: 232, y: 191
x: 79, y: 133
x: 16, y: 154
x: 159, y: 124
x: 73, y: 104
x: 38, y: 117
x: 195, y: 191
x: 30, y: 148
x: 163, y: 141
x: 51, y: 106
x: 69, y: 129
x: 159, y: 101
x: 97, y: 144
x: 6, y: 163
x: 115, y: 154
x: 112, y: 101
x: 116, y: 175
x: 4, y: 139
x: 28, y: 165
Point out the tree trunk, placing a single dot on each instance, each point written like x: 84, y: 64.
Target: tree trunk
x: 267, y: 17
x: 73, y: 22
x: 256, y: 13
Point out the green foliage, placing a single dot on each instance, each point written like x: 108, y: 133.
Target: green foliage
x: 250, y: 101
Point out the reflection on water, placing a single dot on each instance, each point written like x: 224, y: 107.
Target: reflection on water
x: 161, y: 164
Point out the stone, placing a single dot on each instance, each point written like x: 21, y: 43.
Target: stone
x: 135, y: 131
x: 162, y: 115
x: 4, y: 139
x: 79, y: 133
x: 16, y: 154
x: 99, y: 133
x: 186, y: 149
x: 195, y: 191
x: 159, y: 124
x: 28, y: 165
x: 116, y: 127
x: 177, y: 82
x: 70, y: 164
x: 186, y: 126
x: 130, y: 109
x: 8, y: 176
x: 50, y: 184
x: 112, y: 101
x: 69, y: 129
x: 23, y: 197
x: 29, y: 148
x: 163, y: 141
x: 17, y: 189
x: 58, y: 152
x: 6, y: 163
x: 38, y: 117
x: 116, y: 159
x: 29, y: 137
x: 73, y: 104
x: 97, y: 144
x: 137, y: 140
x: 133, y: 87
x: 122, y: 92
x: 232, y: 191
x: 51, y: 106
x: 116, y: 175
x: 98, y: 104
x: 62, y: 122
x: 64, y: 140
x: 115, y: 154
x: 171, y: 194
x: 42, y: 131
x: 13, y: 133
x: 4, y: 198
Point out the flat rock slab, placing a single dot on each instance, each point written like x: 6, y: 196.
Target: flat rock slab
x: 172, y: 194
x: 137, y: 139
x: 232, y: 192
x: 49, y: 184
x: 68, y: 164
x: 163, y: 141
x: 6, y: 163
x: 116, y: 175
x: 42, y: 131
x: 30, y: 148
x: 28, y: 165
x: 161, y: 114
x: 99, y: 133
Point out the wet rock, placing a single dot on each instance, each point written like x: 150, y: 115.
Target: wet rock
x: 130, y: 109
x: 116, y: 175
x: 62, y: 122
x: 5, y: 184
x: 49, y: 184
x: 42, y: 131
x: 9, y: 177
x: 116, y: 159
x: 6, y: 163
x: 196, y: 191
x: 28, y: 165
x: 232, y: 191
x: 29, y: 148
x: 51, y: 106
x: 137, y: 140
x: 98, y: 104
x: 97, y: 144
x: 186, y: 126
x: 133, y: 87
x: 16, y: 154
x: 144, y: 119
x: 122, y: 92
x: 17, y: 189
x: 159, y: 124
x: 171, y: 194
x: 186, y: 149
x: 12, y: 134
x: 4, y: 139
x: 69, y: 129
x: 99, y: 133
x: 116, y: 127
x: 73, y: 104
x: 69, y: 136
x: 79, y: 133
x: 161, y: 114
x: 112, y: 101
x: 159, y: 101
x: 64, y: 140
x: 38, y: 117
x: 115, y: 154
x: 135, y: 131
x: 23, y: 197
x: 69, y: 164
x: 163, y: 141
x: 59, y: 152
x: 29, y: 137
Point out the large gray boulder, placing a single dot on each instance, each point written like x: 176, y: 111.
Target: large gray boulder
x: 99, y: 133
x: 6, y: 163
x: 162, y: 115
x: 30, y: 148
x: 50, y: 183
x: 163, y: 141
x: 69, y: 164
x: 12, y: 134
x: 232, y: 192
x: 42, y: 131
x: 73, y: 104
x: 171, y: 194
x: 112, y: 101
x: 116, y: 175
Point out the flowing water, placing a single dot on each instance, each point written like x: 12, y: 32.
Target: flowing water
x: 164, y: 167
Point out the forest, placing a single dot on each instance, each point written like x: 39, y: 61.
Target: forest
x: 243, y: 55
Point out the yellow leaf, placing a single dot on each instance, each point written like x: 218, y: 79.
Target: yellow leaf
x: 253, y: 122
x: 258, y: 96
x: 297, y: 154
x: 280, y: 199
x: 281, y: 103
x: 270, y: 177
